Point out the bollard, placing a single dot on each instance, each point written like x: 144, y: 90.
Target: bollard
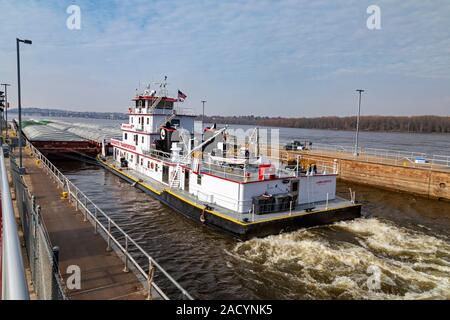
x: 55, y: 250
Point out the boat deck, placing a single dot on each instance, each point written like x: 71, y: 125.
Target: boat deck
x: 241, y: 218
x: 255, y: 218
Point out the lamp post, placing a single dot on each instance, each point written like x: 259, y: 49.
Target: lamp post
x: 203, y: 112
x: 6, y: 85
x: 19, y: 102
x: 356, y: 153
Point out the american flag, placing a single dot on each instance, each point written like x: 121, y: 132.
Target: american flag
x: 181, y: 96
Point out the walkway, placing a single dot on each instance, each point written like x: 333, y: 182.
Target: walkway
x: 102, y: 275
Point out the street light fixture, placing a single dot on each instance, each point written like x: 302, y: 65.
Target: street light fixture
x: 6, y: 85
x: 19, y: 101
x: 356, y: 153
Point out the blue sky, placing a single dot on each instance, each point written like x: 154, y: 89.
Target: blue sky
x: 255, y: 57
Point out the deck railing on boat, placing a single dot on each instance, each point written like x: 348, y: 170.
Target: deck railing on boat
x: 116, y: 238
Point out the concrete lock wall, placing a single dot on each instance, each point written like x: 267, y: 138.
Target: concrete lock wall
x: 423, y: 182
x: 433, y: 184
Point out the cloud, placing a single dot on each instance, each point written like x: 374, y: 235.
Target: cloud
x: 228, y: 45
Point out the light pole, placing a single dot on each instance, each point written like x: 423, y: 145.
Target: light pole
x: 357, y: 122
x: 203, y: 115
x: 6, y: 85
x: 203, y: 112
x: 19, y: 102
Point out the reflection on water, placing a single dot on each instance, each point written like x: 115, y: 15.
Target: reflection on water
x: 405, y: 237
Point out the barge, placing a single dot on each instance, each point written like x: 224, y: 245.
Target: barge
x: 217, y: 177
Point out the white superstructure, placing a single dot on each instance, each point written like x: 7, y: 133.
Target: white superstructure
x: 159, y: 143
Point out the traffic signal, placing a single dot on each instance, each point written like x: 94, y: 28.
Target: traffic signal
x: 2, y: 99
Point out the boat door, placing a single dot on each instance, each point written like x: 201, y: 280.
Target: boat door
x: 295, y: 189
x: 186, y: 180
x: 165, y: 174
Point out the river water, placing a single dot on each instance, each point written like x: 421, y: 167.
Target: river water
x: 403, y: 240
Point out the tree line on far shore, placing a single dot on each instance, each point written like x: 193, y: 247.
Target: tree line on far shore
x: 415, y: 124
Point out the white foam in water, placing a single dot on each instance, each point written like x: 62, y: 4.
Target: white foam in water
x: 311, y: 264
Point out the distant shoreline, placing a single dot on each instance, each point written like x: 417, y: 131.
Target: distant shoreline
x: 390, y: 124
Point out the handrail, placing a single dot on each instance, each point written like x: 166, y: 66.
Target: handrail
x: 378, y: 155
x: 14, y: 283
x: 83, y: 201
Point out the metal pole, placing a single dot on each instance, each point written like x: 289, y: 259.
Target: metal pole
x: 14, y: 283
x: 203, y: 114
x: 19, y: 100
x: 356, y: 153
x: 19, y: 104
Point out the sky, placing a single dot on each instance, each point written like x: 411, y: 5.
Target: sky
x: 289, y: 58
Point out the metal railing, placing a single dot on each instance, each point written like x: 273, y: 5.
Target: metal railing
x: 103, y: 224
x: 387, y: 156
x: 43, y: 261
x: 14, y: 283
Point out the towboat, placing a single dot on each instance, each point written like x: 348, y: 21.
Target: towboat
x: 219, y: 176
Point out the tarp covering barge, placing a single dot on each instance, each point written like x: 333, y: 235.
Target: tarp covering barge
x: 59, y: 137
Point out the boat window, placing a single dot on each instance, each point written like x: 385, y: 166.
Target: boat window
x: 125, y: 136
x: 199, y: 179
x: 294, y: 186
x: 175, y: 122
x: 142, y: 139
x: 148, y: 120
